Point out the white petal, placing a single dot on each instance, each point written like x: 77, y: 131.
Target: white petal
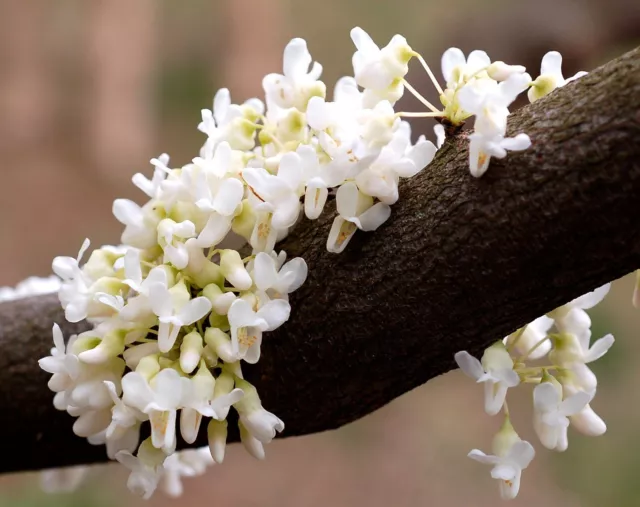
x: 421, y: 154
x: 374, y: 217
x: 518, y: 143
x: 296, y: 58
x: 477, y: 61
x: 241, y: 314
x: 494, y: 396
x: 574, y: 403
x: 160, y: 300
x: 522, y: 452
x: 215, y: 230
x: 126, y: 211
x: 275, y: 313
x: 264, y: 271
x: 546, y: 396
x: 481, y: 457
x: 452, y: 58
x: 194, y: 310
x: 347, y: 200
x: 552, y: 65
x: 599, y: 348
x: 591, y: 299
x: 470, y: 366
x: 228, y: 196
x: 132, y: 269
x: 290, y: 169
x: 314, y: 200
x: 287, y: 212
x: 588, y: 422
x: 293, y: 274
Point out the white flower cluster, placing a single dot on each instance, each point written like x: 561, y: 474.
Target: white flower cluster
x: 563, y: 388
x: 175, y: 310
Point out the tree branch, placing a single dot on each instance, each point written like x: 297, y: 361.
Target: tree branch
x: 461, y: 263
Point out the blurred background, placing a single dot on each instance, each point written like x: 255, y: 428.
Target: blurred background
x: 90, y: 90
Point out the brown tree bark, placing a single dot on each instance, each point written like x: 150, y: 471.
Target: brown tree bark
x: 461, y: 263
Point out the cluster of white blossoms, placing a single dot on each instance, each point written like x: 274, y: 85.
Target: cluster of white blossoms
x: 564, y: 384
x: 176, y: 309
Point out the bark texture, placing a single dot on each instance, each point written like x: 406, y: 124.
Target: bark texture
x: 461, y: 263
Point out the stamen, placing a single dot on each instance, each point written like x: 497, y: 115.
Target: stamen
x: 417, y: 95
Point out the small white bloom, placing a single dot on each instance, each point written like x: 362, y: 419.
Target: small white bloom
x: 511, y: 456
x: 298, y: 84
x: 355, y: 211
x: 62, y: 363
x: 458, y: 69
x: 160, y: 399
x: 278, y: 283
x: 140, y: 222
x: 280, y: 194
x: 377, y: 68
x: 248, y: 325
x: 146, y: 469
x: 152, y: 187
x: 495, y: 371
x: 186, y: 463
x: 550, y: 416
x: 175, y: 308
x: 260, y: 423
x: 550, y: 76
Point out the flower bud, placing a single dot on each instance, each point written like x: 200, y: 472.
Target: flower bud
x: 191, y: 351
x: 217, y: 433
x: 220, y: 301
x: 220, y: 343
x: 234, y: 271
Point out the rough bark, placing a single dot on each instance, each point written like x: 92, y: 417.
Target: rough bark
x: 461, y: 263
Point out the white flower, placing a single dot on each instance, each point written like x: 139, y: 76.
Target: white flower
x: 278, y: 282
x: 355, y: 211
x: 140, y: 222
x: 146, y: 469
x: 199, y: 401
x: 159, y: 399
x: 187, y: 463
x: 260, y: 423
x: 125, y: 419
x: 280, y: 194
x: 171, y: 237
x: 511, y: 456
x: 78, y: 290
x: 62, y: 363
x: 397, y: 159
x: 299, y: 83
x: 175, y: 308
x: 458, y: 69
x: 495, y: 371
x: 550, y: 416
x: 550, y: 76
x: 248, y: 325
x: 377, y: 68
x: 489, y: 101
x: 229, y: 122
x: 586, y: 421
x: 152, y: 187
